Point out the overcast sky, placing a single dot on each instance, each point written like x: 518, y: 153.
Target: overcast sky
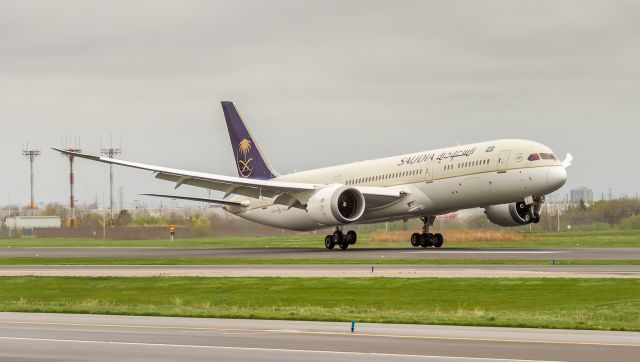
x: 320, y: 82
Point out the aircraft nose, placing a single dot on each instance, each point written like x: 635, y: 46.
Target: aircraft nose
x: 556, y: 176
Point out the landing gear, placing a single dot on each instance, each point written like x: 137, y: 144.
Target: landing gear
x: 340, y: 239
x: 415, y: 239
x: 328, y: 242
x: 427, y: 239
x: 351, y: 237
x: 535, y: 206
x: 438, y: 240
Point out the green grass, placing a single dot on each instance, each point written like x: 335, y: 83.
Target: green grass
x: 216, y: 242
x: 296, y: 261
x: 602, y: 239
x: 541, y: 303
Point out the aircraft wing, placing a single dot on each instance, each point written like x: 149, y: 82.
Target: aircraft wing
x: 243, y: 186
x: 227, y: 184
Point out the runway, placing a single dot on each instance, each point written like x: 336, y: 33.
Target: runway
x: 330, y: 271
x: 317, y: 253
x: 40, y: 337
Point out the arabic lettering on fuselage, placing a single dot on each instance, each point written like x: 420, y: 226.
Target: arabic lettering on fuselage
x: 415, y: 159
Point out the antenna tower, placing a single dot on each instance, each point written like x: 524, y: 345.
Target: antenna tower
x: 72, y: 146
x: 31, y: 154
x: 111, y: 152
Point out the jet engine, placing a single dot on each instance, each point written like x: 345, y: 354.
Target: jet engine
x: 336, y: 205
x: 513, y: 214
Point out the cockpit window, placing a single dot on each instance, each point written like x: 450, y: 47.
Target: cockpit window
x: 548, y: 156
x: 533, y: 157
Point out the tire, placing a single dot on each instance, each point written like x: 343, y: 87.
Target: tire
x: 415, y: 240
x: 328, y: 242
x: 351, y: 237
x: 536, y: 219
x: 426, y: 240
x: 338, y: 237
x: 438, y: 240
x: 344, y: 245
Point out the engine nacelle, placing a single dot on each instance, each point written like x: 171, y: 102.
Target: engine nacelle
x: 513, y: 214
x: 336, y: 205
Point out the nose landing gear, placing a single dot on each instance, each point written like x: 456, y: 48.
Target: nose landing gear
x: 535, y: 206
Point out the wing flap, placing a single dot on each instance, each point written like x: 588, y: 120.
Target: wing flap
x: 211, y: 201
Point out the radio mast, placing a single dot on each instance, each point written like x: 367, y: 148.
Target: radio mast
x: 111, y: 152
x: 72, y: 201
x: 31, y: 154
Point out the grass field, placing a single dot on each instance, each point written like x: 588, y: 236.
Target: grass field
x: 545, y: 303
x: 294, y: 261
x: 535, y: 240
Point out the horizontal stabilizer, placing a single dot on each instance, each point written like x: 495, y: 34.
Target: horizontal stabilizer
x: 212, y: 201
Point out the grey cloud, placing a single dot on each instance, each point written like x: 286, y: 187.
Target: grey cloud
x: 321, y: 82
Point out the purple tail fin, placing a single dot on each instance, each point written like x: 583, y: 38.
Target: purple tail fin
x: 249, y: 159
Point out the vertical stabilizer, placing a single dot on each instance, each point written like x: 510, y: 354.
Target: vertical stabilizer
x: 249, y: 159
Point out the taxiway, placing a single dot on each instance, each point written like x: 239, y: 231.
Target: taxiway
x: 39, y: 337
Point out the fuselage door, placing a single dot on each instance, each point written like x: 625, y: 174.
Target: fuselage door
x: 502, y: 160
x: 429, y: 172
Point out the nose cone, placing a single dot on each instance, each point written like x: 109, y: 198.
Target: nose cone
x: 556, y: 177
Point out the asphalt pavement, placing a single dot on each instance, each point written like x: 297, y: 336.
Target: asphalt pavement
x: 330, y: 271
x: 60, y: 337
x: 315, y: 253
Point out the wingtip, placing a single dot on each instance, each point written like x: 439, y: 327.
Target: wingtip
x: 568, y: 160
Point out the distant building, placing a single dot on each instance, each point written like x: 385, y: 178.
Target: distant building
x: 583, y: 194
x: 30, y: 222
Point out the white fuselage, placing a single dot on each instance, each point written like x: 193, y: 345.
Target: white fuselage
x: 433, y: 182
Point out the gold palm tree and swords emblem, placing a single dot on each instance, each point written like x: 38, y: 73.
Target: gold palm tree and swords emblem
x: 244, y: 165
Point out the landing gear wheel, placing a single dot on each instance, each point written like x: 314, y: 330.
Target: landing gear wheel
x: 338, y: 237
x: 536, y: 218
x: 344, y: 245
x: 438, y: 240
x: 328, y: 242
x: 415, y: 240
x: 426, y: 240
x: 351, y: 237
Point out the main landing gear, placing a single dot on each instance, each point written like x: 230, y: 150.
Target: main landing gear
x: 427, y: 239
x: 340, y: 239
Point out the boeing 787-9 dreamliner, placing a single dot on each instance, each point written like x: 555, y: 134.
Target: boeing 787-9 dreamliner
x: 508, y: 178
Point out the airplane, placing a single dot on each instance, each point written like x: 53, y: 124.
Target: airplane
x: 508, y: 178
